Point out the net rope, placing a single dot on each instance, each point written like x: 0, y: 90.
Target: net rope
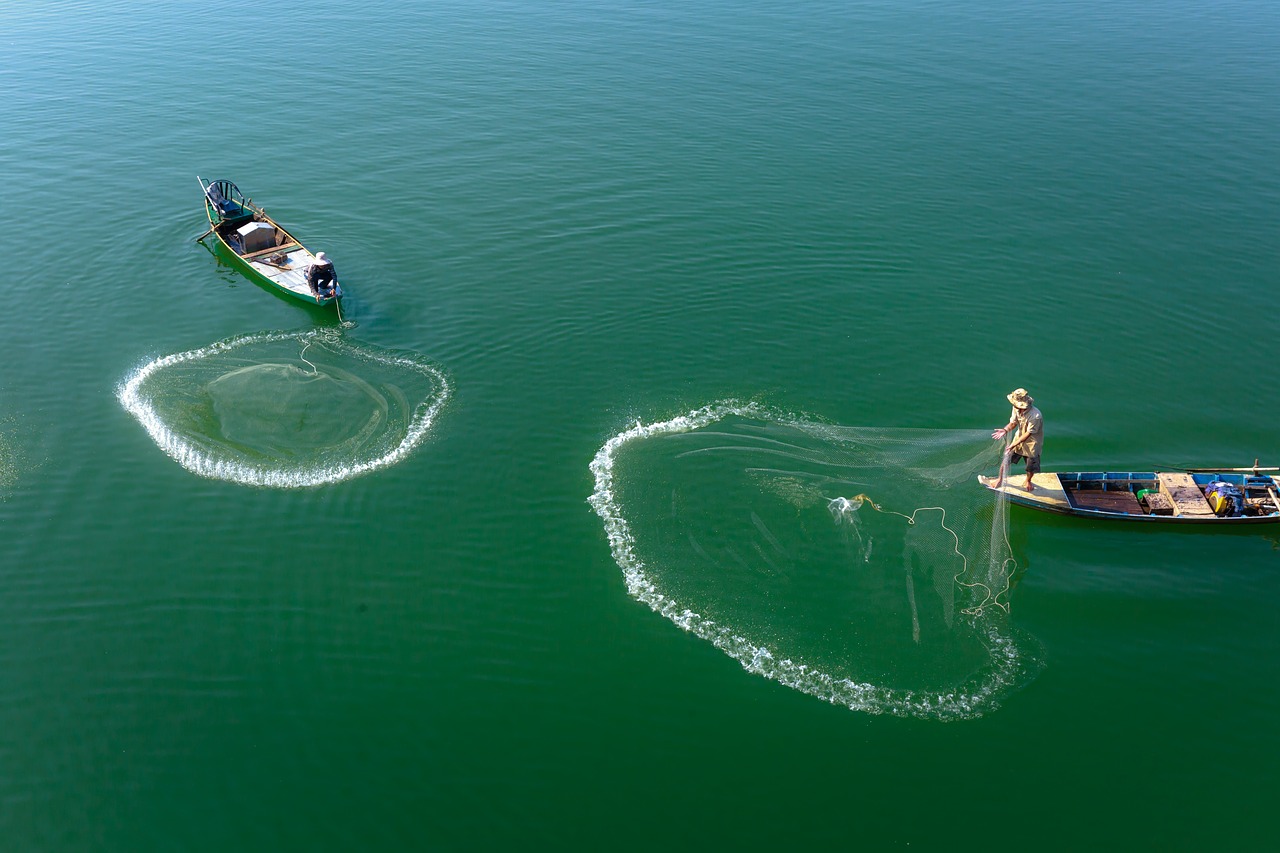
x: 840, y: 506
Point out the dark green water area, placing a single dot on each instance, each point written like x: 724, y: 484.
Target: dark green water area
x: 634, y: 507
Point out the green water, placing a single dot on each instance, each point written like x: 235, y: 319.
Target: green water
x: 586, y: 216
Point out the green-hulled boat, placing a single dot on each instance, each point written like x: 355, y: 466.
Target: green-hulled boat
x: 258, y: 245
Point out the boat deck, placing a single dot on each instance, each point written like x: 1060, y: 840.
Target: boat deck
x: 1047, y: 491
x: 288, y: 272
x: 1117, y: 501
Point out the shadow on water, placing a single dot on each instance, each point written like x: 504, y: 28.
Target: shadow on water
x: 1025, y: 520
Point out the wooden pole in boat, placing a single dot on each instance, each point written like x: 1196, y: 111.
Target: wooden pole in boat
x: 203, y: 191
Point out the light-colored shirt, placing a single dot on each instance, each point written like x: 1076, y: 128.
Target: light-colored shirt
x: 1030, y: 422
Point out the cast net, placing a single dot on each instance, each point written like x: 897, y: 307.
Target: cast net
x: 287, y: 409
x: 866, y: 566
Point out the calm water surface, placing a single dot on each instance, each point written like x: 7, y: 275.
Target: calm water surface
x: 586, y: 215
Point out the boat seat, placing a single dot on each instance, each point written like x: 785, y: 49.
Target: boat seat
x: 231, y: 212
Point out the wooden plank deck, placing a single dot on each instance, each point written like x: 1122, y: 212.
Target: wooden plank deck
x: 1186, y: 496
x: 292, y: 274
x: 1048, y: 491
x: 1119, y: 500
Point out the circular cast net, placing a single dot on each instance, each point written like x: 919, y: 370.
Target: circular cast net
x: 864, y: 566
x: 286, y: 409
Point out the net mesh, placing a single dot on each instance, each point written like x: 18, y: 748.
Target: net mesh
x: 287, y: 409
x: 863, y: 565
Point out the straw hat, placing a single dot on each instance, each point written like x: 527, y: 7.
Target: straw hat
x: 1020, y: 399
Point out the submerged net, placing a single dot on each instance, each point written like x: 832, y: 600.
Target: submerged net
x: 865, y: 566
x: 8, y: 465
x: 286, y: 409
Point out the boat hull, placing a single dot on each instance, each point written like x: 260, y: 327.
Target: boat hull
x: 254, y: 274
x: 1118, y: 496
x: 258, y: 246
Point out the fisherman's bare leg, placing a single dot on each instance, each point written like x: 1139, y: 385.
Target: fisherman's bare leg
x: 1033, y: 468
x: 999, y: 478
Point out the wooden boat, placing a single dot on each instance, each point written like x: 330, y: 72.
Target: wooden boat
x: 257, y: 244
x: 1177, y: 497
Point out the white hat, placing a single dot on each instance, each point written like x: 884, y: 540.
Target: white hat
x: 321, y: 259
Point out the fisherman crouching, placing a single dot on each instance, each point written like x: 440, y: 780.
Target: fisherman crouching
x: 322, y: 279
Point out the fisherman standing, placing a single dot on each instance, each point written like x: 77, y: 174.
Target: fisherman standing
x: 321, y: 278
x: 1027, y: 441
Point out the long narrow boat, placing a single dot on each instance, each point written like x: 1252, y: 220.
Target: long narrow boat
x: 1194, y: 496
x: 257, y: 245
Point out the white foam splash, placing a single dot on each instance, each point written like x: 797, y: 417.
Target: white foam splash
x: 979, y: 695
x: 198, y: 461
x: 843, y: 510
